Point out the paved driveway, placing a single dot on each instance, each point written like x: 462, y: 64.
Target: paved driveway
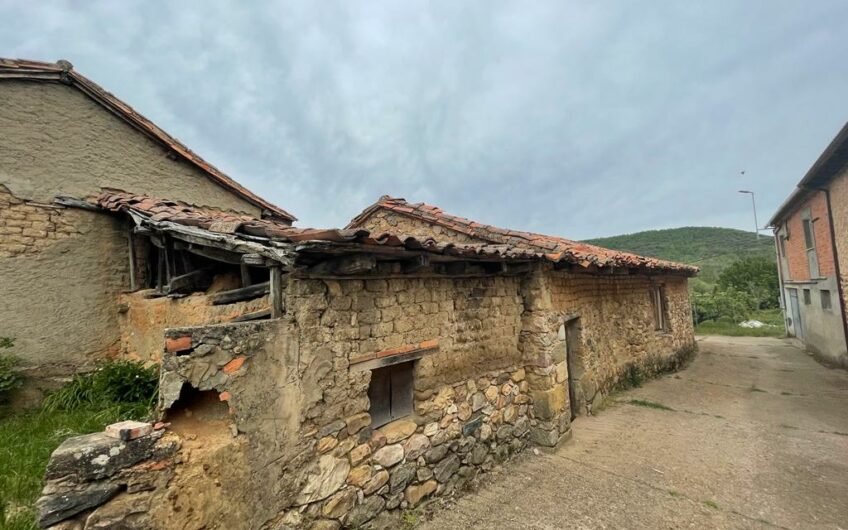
x: 756, y: 437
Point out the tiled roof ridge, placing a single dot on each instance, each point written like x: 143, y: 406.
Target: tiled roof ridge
x: 556, y: 247
x: 62, y: 71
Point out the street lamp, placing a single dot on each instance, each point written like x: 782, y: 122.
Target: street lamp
x: 754, y: 204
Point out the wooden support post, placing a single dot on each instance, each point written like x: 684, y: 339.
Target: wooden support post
x: 133, y: 280
x: 245, y: 275
x: 276, y: 292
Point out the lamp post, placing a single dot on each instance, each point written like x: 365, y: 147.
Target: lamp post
x: 754, y: 204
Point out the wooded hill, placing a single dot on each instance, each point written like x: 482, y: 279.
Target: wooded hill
x: 712, y: 249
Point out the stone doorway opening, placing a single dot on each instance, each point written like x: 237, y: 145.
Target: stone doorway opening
x: 574, y: 364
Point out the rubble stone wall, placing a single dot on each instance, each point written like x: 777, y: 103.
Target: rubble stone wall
x: 618, y: 328
x: 395, y: 223
x: 27, y: 227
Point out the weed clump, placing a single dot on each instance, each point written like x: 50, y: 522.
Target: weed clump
x: 126, y: 387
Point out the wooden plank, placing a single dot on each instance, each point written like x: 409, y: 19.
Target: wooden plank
x: 77, y: 203
x: 276, y: 288
x: 381, y: 362
x: 216, y: 254
x: 255, y: 315
x: 240, y: 294
x: 245, y: 275
x: 198, y: 280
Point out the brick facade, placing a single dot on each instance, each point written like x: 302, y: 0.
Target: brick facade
x: 795, y: 245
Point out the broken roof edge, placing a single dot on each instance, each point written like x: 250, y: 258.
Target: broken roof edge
x: 63, y: 72
x: 217, y: 225
x: 555, y: 248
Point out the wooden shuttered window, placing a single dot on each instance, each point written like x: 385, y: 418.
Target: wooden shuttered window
x: 390, y: 393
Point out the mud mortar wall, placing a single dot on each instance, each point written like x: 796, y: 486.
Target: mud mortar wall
x: 618, y: 325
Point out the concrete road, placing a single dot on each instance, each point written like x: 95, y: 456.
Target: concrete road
x: 753, y: 434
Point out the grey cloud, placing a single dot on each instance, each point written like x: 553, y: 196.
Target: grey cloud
x: 572, y: 118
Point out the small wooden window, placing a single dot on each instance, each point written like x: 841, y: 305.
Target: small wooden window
x: 825, y: 299
x: 390, y: 393
x: 807, y: 297
x: 660, y: 307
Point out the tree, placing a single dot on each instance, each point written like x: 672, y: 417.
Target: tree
x: 755, y: 276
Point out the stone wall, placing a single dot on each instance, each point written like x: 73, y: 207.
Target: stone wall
x: 617, y: 325
x: 386, y: 221
x: 27, y: 227
x: 274, y: 415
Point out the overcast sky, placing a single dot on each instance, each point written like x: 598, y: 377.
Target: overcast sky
x: 573, y: 118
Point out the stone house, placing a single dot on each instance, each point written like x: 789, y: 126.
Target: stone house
x: 811, y: 235
x: 309, y: 377
x: 368, y: 372
x: 64, y: 138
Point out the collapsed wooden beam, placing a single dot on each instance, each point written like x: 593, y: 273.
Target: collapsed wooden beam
x: 243, y: 293
x: 198, y: 280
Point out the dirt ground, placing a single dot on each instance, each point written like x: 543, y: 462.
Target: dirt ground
x: 755, y: 435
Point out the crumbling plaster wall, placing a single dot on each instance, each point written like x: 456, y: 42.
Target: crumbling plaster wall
x: 57, y: 141
x: 60, y: 275
x: 143, y: 320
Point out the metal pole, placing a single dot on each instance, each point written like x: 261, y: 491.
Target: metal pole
x: 756, y: 224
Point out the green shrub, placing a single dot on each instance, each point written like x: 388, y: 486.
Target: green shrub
x: 9, y: 378
x: 755, y: 276
x: 730, y: 304
x: 126, y: 385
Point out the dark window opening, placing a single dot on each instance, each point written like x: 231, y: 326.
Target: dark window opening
x: 809, y: 240
x: 659, y: 304
x: 390, y: 393
x: 825, y: 299
x: 807, y: 297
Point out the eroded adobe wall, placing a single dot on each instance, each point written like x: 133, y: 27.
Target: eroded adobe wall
x: 57, y: 141
x: 143, y: 321
x: 61, y: 271
x: 387, y: 221
x: 618, y: 328
x: 301, y: 432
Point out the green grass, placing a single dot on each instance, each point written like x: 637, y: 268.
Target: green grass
x: 115, y: 391
x: 771, y: 317
x: 649, y: 404
x: 26, y: 440
x: 711, y: 504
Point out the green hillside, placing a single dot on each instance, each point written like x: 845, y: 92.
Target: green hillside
x: 712, y: 249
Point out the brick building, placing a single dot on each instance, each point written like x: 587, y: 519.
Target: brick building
x: 311, y: 377
x: 811, y: 233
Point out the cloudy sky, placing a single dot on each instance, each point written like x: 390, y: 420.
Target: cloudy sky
x: 575, y: 118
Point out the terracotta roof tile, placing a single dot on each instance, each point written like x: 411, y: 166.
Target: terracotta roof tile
x: 554, y: 248
x: 63, y: 72
x: 216, y: 220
